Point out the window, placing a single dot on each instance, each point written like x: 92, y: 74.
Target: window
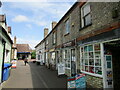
x: 46, y: 42
x: 38, y: 57
x: 85, y: 15
x: 67, y: 26
x: 66, y: 57
x: 54, y: 38
x: 90, y: 57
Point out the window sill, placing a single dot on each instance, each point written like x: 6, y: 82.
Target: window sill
x: 92, y: 74
x: 85, y: 27
x: 67, y: 34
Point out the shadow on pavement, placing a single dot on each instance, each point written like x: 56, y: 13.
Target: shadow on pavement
x: 45, y: 78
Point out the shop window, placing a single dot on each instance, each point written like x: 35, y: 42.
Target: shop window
x: 85, y: 15
x: 67, y: 58
x: 90, y: 57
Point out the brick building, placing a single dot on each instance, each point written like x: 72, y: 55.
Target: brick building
x: 87, y: 40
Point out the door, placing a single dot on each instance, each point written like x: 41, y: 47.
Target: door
x: 113, y: 62
x: 73, y: 62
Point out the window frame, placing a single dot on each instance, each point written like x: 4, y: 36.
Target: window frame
x: 67, y: 58
x: 83, y: 17
x: 83, y: 65
x: 67, y: 26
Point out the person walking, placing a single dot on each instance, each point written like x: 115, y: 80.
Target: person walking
x: 25, y: 60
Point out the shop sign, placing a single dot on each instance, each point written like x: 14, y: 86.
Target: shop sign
x: 78, y: 81
x: 72, y: 43
x: 61, y: 68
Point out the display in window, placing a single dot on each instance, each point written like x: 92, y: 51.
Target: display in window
x: 98, y: 62
x: 86, y: 61
x: 97, y: 47
x: 98, y: 70
x: 91, y: 69
x: 86, y: 55
x: 91, y: 55
x: 97, y: 54
x: 86, y: 68
x: 85, y: 48
x: 91, y: 62
x: 90, y: 48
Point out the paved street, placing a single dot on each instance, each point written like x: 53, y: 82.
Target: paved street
x: 33, y: 76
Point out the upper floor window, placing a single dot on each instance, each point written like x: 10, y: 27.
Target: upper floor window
x: 85, y: 15
x: 46, y: 42
x: 54, y: 38
x: 67, y: 26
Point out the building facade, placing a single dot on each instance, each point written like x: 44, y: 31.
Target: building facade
x: 87, y: 40
x: 5, y: 44
x: 23, y: 50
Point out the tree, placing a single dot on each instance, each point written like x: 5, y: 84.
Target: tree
x: 33, y: 55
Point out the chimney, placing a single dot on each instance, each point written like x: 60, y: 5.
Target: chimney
x: 15, y: 41
x: 45, y: 32
x: 53, y: 24
x: 9, y: 29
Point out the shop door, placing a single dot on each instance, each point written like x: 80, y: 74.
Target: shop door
x: 73, y: 62
x: 114, y: 48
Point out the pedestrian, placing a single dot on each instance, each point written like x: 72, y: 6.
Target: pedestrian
x: 25, y: 60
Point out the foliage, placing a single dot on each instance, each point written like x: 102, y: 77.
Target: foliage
x: 33, y: 55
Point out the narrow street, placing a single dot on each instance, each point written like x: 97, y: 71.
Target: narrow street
x: 33, y: 76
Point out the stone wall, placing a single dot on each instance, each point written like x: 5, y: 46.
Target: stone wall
x: 94, y: 82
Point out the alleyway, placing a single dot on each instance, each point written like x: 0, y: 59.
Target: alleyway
x: 33, y: 76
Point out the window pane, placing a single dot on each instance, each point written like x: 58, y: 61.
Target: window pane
x: 91, y: 69
x: 98, y: 62
x: 86, y: 9
x: 86, y: 68
x: 91, y: 62
x: 98, y: 70
x: 87, y: 20
x: 67, y: 26
x: 86, y: 61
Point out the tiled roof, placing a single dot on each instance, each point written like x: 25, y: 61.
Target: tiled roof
x: 23, y: 48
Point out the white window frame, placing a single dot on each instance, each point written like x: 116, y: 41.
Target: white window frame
x: 94, y: 58
x: 83, y: 16
x: 67, y: 59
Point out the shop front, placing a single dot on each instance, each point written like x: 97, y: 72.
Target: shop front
x: 69, y: 58
x: 112, y: 65
x: 99, y: 59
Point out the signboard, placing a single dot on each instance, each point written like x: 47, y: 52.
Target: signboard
x: 78, y: 81
x: 61, y: 68
x: 108, y: 71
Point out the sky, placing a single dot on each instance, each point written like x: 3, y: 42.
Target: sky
x: 29, y: 18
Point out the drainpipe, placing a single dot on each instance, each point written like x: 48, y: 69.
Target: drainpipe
x: 3, y: 42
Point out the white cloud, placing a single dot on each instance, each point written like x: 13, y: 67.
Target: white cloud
x: 20, y: 18
x: 29, y: 26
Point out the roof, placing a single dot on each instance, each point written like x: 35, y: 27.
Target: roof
x: 23, y: 48
x: 68, y: 12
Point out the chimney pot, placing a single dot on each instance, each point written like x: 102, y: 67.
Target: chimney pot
x: 9, y: 29
x: 45, y: 32
x: 53, y: 24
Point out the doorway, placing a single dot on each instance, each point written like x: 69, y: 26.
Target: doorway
x: 114, y: 48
